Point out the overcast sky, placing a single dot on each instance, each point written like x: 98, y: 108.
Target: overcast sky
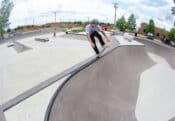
x: 41, y: 11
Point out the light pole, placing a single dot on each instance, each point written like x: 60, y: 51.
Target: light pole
x: 173, y: 11
x: 88, y: 19
x: 115, y: 6
x: 55, y: 17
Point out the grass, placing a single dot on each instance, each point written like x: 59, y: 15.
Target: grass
x: 64, y: 30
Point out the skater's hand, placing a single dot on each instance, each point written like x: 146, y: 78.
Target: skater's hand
x: 92, y: 45
x: 107, y: 38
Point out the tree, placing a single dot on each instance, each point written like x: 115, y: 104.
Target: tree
x: 122, y: 24
x: 172, y: 35
x: 132, y: 23
x: 151, y: 27
x: 5, y: 10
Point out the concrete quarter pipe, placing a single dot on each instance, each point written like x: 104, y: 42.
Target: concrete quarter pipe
x: 106, y: 90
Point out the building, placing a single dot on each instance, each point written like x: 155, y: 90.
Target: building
x: 159, y: 33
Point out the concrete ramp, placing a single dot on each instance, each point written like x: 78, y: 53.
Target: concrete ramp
x: 20, y: 47
x: 106, y: 90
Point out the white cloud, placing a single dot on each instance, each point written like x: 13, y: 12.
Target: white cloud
x: 29, y: 11
x: 130, y: 1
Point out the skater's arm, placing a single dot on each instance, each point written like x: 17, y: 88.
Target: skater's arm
x: 99, y: 28
x: 107, y: 38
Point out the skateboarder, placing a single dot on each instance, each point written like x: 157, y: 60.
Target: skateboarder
x: 92, y: 31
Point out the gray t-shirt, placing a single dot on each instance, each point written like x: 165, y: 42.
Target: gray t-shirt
x: 90, y: 29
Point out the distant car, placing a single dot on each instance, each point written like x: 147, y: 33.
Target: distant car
x: 150, y: 36
x: 103, y: 26
x: 172, y: 43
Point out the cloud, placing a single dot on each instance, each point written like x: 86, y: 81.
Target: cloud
x: 155, y: 3
x: 41, y: 11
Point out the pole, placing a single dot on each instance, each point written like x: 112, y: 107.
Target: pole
x: 173, y: 11
x: 88, y: 19
x: 115, y: 6
x: 33, y: 21
x: 55, y: 14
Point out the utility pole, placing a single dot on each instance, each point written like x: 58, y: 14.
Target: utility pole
x: 173, y: 11
x: 55, y: 13
x: 33, y: 21
x: 115, y: 6
x: 55, y: 17
x: 88, y: 19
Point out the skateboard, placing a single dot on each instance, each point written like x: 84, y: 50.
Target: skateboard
x: 102, y: 52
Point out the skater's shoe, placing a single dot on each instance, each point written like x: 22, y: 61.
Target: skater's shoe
x: 105, y: 46
x: 99, y: 55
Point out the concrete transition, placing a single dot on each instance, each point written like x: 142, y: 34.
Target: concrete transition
x: 173, y: 119
x: 106, y: 90
x: 166, y: 53
x: 20, y: 47
x: 42, y: 39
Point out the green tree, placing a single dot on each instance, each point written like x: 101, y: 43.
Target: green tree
x: 172, y: 35
x: 122, y: 24
x: 5, y: 10
x: 151, y: 27
x: 132, y: 23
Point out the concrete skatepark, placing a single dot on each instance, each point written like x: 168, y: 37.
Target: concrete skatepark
x: 133, y: 81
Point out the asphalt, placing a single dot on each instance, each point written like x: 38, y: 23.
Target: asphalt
x: 106, y: 90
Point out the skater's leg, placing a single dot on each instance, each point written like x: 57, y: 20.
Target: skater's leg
x: 92, y: 36
x: 100, y: 38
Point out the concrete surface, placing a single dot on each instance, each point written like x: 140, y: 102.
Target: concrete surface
x: 173, y: 119
x: 133, y: 83
x: 24, y: 35
x: 105, y: 91
x: 36, y: 62
x: 123, y: 41
x: 20, y: 47
x: 2, y: 116
x: 28, y: 69
x: 34, y: 108
x: 156, y: 94
x: 165, y: 52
